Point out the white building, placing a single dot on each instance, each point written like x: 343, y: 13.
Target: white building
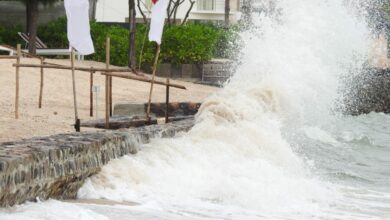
x: 116, y: 11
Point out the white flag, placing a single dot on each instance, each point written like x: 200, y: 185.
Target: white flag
x: 159, y: 12
x: 79, y: 33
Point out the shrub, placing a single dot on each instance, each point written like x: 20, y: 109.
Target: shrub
x: 54, y: 33
x: 190, y: 43
x: 119, y: 43
x: 229, y: 43
x: 9, y: 35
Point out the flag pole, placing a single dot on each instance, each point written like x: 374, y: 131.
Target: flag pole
x: 148, y: 119
x: 76, y: 115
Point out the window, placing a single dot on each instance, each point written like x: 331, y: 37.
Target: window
x: 206, y: 5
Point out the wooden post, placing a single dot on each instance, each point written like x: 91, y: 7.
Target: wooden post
x: 107, y: 125
x: 41, y: 85
x: 110, y: 96
x: 91, y: 93
x: 18, y: 51
x: 167, y: 103
x: 152, y: 84
x: 76, y: 115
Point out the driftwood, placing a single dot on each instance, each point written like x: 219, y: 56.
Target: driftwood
x: 118, y: 122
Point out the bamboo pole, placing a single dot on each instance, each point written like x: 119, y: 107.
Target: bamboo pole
x: 91, y: 93
x: 76, y: 115
x: 85, y: 69
x: 144, y: 79
x: 90, y: 70
x: 152, y: 83
x: 2, y: 57
x: 41, y: 85
x: 107, y: 125
x: 167, y: 103
x: 110, y: 96
x: 113, y: 72
x: 18, y: 53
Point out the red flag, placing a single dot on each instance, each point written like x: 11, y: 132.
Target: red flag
x: 154, y: 1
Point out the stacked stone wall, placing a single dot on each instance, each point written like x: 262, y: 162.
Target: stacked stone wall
x: 57, y: 166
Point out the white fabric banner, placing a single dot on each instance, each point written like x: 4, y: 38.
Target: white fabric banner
x: 159, y: 13
x: 79, y: 33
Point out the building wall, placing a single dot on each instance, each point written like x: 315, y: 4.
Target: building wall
x: 106, y: 11
x: 14, y: 12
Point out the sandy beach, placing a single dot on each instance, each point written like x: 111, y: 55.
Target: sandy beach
x: 57, y: 114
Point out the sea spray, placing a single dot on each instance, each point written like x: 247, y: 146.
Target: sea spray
x: 237, y: 157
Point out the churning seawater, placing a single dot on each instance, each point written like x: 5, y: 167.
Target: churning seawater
x: 269, y: 145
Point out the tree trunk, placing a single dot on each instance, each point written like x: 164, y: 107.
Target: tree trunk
x: 32, y: 24
x: 28, y: 16
x: 227, y: 12
x: 132, y: 31
x: 92, y: 9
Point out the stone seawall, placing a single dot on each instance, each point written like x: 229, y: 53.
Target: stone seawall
x: 57, y: 166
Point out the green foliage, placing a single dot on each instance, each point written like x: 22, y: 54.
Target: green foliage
x: 229, y: 43
x: 53, y: 34
x: 119, y: 43
x: 9, y: 35
x: 190, y: 43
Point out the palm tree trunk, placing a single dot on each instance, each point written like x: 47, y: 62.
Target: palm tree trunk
x: 227, y: 12
x: 32, y: 24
